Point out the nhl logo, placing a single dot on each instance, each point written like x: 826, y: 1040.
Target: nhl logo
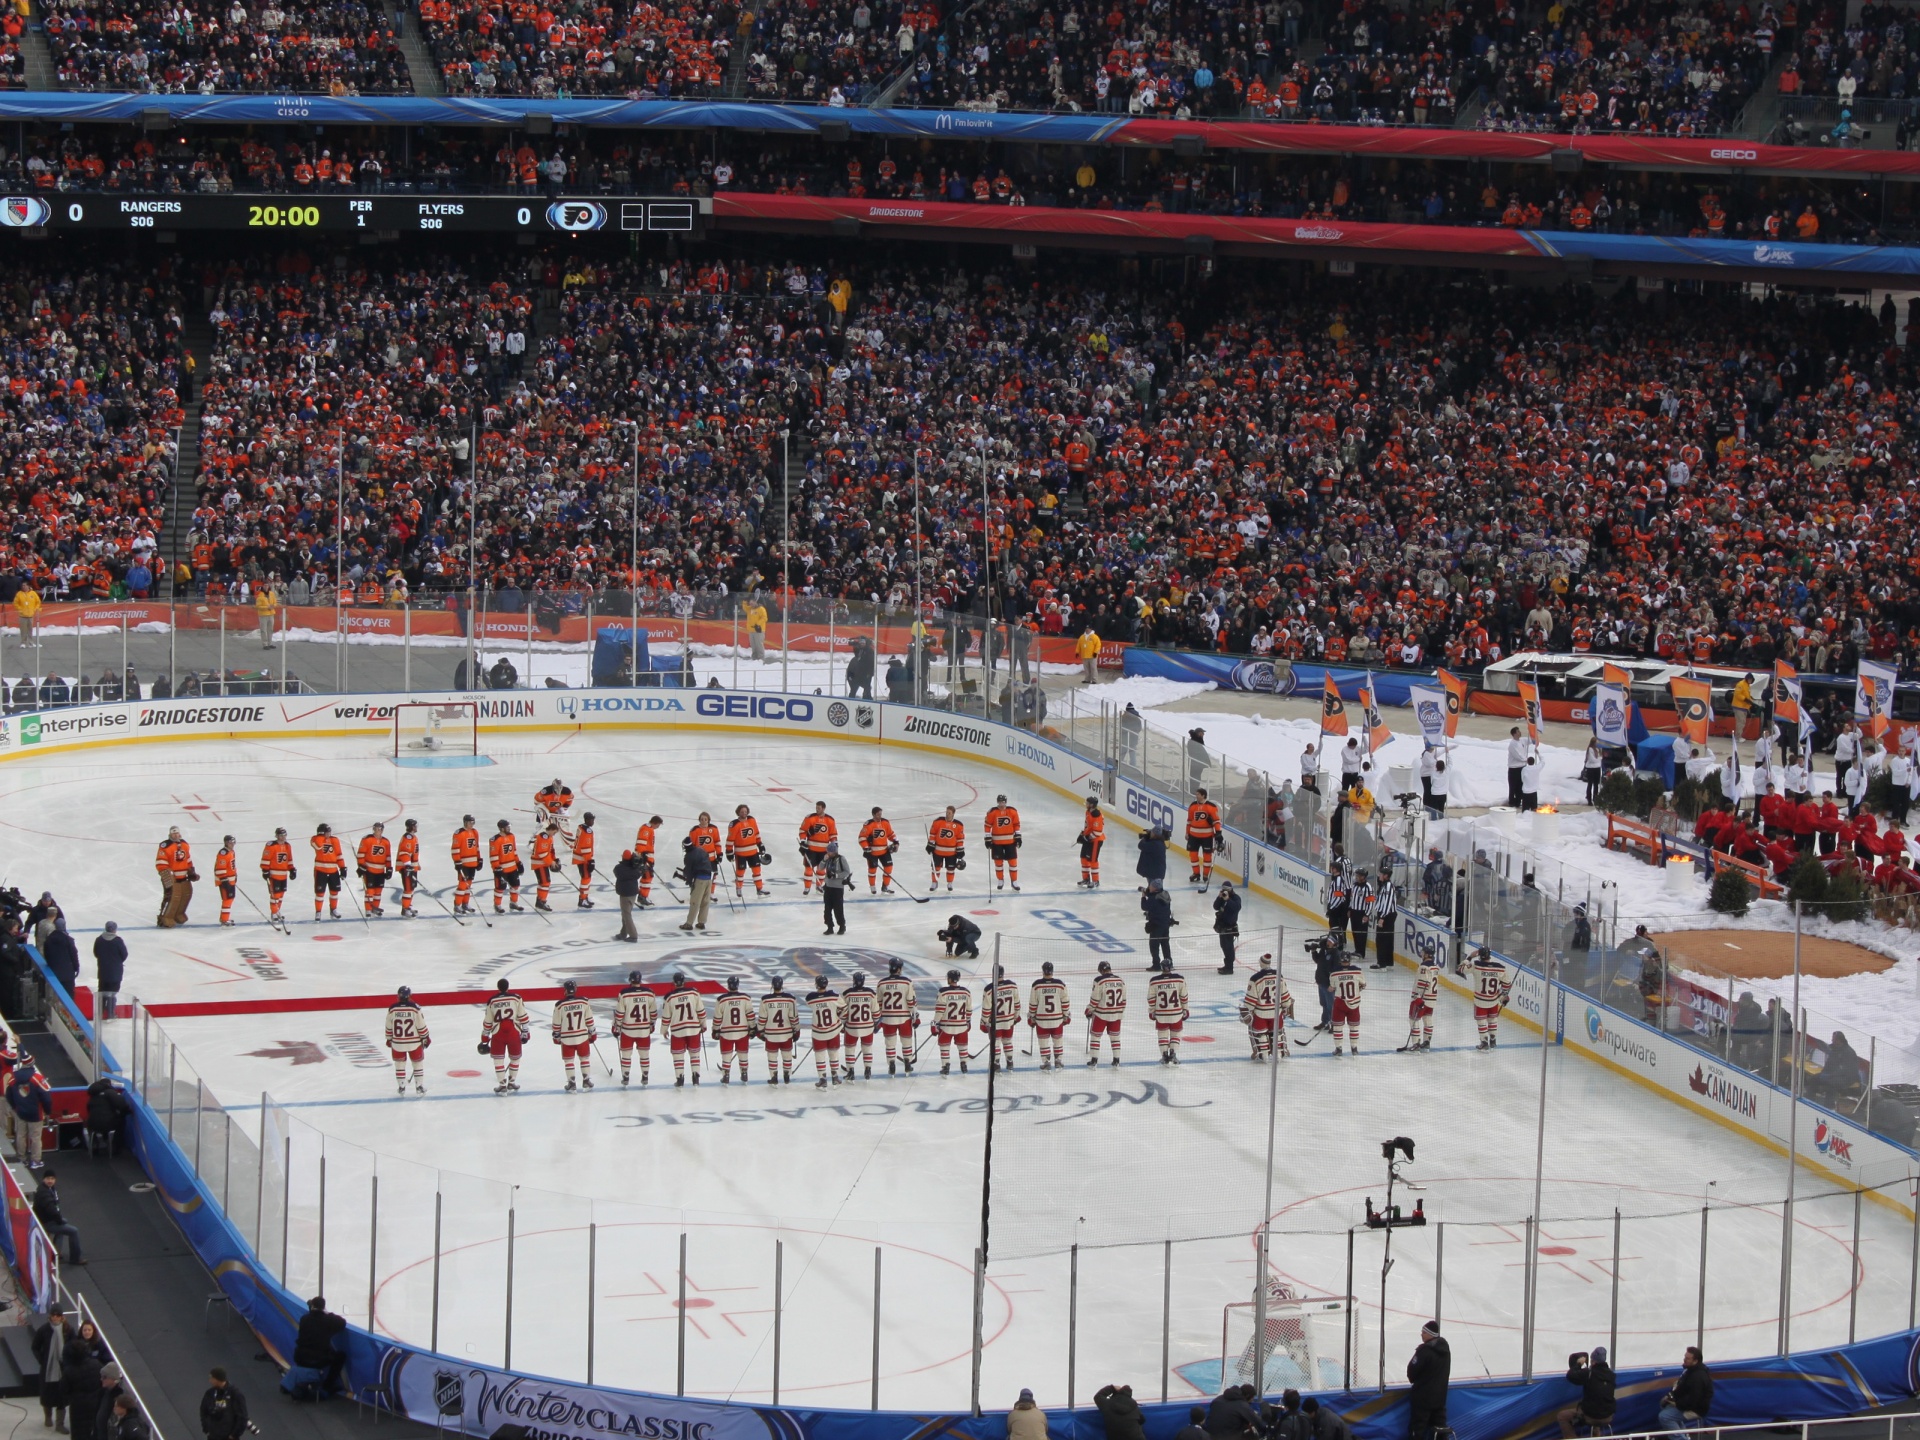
x: 1611, y: 716
x: 449, y: 1392
x: 1260, y: 862
x: 863, y: 716
x: 1430, y: 715
x: 837, y: 715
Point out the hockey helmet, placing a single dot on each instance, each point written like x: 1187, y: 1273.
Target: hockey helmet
x: 570, y: 989
x: 633, y: 977
x: 953, y: 977
x: 893, y: 967
x: 402, y: 996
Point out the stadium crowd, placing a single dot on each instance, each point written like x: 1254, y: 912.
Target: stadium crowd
x: 1394, y: 471
x: 106, y: 159
x: 1645, y: 66
x: 90, y: 361
x: 339, y: 47
x: 555, y: 51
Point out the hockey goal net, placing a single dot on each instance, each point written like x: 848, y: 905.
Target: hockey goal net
x: 1303, y: 1341
x: 450, y: 727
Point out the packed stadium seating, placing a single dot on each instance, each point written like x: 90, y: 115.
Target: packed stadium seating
x: 1578, y: 471
x: 638, y: 49
x: 88, y: 412
x: 341, y: 47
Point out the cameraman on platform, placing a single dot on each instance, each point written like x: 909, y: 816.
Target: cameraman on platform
x: 1594, y: 1409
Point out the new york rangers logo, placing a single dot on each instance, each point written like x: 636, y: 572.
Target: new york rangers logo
x: 21, y: 211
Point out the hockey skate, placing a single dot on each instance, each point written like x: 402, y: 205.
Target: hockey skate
x: 624, y: 1079
x: 1016, y: 887
x: 403, y: 1087
x: 586, y: 1082
x: 679, y: 1082
x: 226, y: 922
x: 891, y: 1066
x: 541, y: 905
x: 500, y: 1087
x: 726, y: 1077
x: 583, y: 904
x: 773, y: 1079
x: 517, y: 908
x: 419, y: 1086
x: 696, y: 1077
x: 571, y: 1087
x: 963, y: 1066
x: 513, y: 1083
x: 1338, y: 1051
x: 1093, y: 1062
x: 946, y: 1068
x: 1116, y: 1062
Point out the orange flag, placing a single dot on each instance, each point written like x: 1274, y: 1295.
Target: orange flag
x: 1456, y: 689
x: 1611, y: 674
x: 1693, y: 699
x: 1530, y: 702
x: 1333, y: 710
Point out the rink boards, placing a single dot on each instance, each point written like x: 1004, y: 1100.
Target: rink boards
x: 1832, y: 1145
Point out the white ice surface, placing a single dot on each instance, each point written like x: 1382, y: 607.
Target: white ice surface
x: 1116, y: 1161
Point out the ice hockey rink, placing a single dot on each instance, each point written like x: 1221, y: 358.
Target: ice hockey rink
x: 1125, y: 1202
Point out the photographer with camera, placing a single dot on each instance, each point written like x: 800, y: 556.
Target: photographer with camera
x: 1594, y: 1409
x: 1325, y: 951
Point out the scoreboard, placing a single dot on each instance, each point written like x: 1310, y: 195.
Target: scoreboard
x: 372, y: 214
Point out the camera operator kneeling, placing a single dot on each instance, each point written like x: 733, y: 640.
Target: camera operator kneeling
x: 1593, y: 1411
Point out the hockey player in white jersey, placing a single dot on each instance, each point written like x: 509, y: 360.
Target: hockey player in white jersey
x: 407, y: 1040
x: 504, y: 1028
x: 1167, y: 1008
x: 862, y: 1018
x: 952, y: 1019
x: 899, y: 1015
x: 778, y: 1022
x: 573, y: 1032
x: 1347, y: 984
x: 999, y: 1017
x: 635, y: 1013
x: 1106, y: 1008
x: 1426, y: 988
x: 1049, y: 1012
x: 684, y: 1018
x: 1491, y: 988
x: 826, y: 1023
x: 733, y: 1020
x: 1265, y: 1009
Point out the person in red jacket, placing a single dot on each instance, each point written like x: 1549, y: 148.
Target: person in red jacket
x: 1827, y: 825
x: 1803, y: 819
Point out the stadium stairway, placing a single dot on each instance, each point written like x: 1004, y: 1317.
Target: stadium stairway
x: 413, y: 44
x: 42, y: 73
x: 151, y: 1292
x: 736, y: 81
x: 198, y: 337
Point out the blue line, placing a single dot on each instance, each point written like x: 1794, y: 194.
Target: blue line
x: 748, y: 1086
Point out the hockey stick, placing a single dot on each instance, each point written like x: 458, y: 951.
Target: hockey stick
x: 446, y: 907
x: 595, y: 1043
x: 356, y: 900
x: 256, y: 909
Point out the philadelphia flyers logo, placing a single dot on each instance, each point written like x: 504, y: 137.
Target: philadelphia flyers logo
x: 1453, y: 703
x: 1332, y: 707
x: 1533, y: 712
x: 1692, y: 710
